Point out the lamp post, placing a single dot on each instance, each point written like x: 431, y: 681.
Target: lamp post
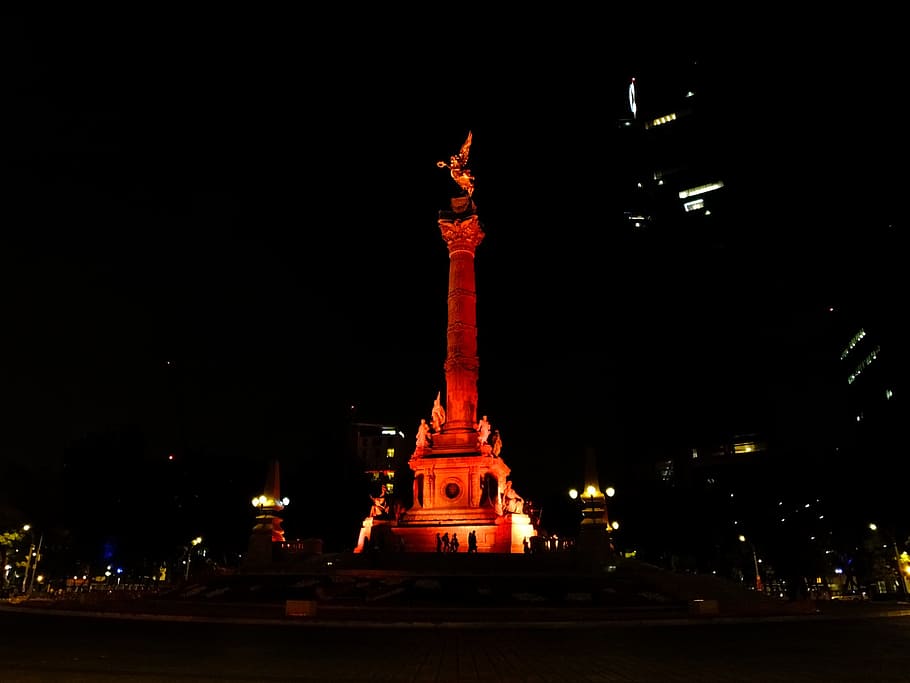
x: 31, y: 583
x: 31, y: 566
x: 758, y: 583
x: 897, y: 558
x: 28, y: 558
x: 189, y: 555
x: 591, y: 491
x: 595, y: 530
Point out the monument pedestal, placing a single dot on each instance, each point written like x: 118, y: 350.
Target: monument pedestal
x: 259, y: 552
x: 454, y: 493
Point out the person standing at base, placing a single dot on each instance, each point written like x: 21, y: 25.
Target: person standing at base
x: 455, y: 544
x: 472, y: 542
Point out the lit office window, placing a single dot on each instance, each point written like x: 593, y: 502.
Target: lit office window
x: 857, y: 338
x: 661, y: 120
x: 865, y: 363
x: 701, y: 189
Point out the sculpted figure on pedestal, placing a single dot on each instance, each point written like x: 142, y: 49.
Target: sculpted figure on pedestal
x: 483, y: 430
x: 511, y: 501
x: 380, y: 507
x: 439, y: 414
x: 458, y: 167
x: 497, y: 443
x: 423, y: 434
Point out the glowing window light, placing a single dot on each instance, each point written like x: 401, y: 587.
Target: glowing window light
x: 701, y: 189
x: 865, y: 363
x: 857, y: 338
x: 695, y: 205
x: 662, y: 120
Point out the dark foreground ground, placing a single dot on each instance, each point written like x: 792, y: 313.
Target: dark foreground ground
x: 39, y: 646
x: 452, y: 619
x: 431, y: 588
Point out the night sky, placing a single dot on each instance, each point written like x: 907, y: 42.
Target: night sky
x: 223, y: 232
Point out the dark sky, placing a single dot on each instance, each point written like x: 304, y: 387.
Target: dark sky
x: 228, y: 226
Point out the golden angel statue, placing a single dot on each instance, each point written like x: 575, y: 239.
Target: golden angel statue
x: 458, y: 167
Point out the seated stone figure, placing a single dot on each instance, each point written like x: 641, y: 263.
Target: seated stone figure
x: 511, y: 501
x: 380, y: 507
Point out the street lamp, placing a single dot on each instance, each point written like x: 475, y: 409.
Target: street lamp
x: 189, y: 555
x: 31, y: 566
x: 758, y: 584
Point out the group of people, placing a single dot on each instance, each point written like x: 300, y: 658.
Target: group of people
x: 446, y: 545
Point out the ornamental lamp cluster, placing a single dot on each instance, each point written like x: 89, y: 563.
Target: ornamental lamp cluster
x: 264, y: 502
x: 594, y: 503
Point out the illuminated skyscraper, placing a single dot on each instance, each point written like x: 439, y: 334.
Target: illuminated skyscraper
x: 670, y: 148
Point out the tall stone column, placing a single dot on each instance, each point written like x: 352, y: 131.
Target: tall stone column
x: 462, y: 233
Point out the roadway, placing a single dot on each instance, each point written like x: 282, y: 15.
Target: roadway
x: 844, y: 643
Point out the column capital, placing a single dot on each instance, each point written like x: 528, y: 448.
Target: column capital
x: 461, y: 234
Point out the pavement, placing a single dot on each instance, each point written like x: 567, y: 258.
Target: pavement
x: 149, y: 649
x: 458, y: 592
x: 384, y: 617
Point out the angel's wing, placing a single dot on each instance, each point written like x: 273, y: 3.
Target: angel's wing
x: 465, y: 148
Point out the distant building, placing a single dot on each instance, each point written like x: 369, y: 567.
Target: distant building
x: 670, y: 143
x: 382, y: 453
